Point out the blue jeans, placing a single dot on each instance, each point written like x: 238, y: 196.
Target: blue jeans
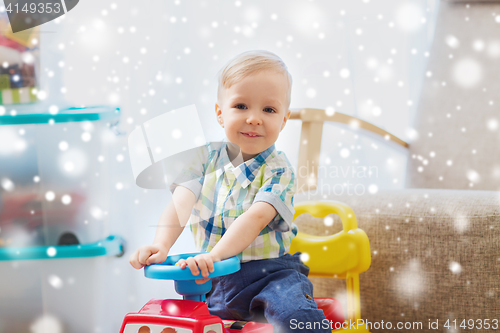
x: 270, y: 290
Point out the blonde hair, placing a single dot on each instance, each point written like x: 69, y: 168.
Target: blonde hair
x: 251, y: 62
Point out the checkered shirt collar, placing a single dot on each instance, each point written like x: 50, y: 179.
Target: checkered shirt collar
x: 245, y: 172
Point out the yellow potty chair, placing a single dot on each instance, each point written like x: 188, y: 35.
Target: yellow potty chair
x: 341, y: 256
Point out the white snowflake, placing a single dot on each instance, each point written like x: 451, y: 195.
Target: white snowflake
x: 372, y: 189
x: 408, y: 17
x: 492, y: 124
x: 461, y: 222
x: 467, y: 72
x: 455, y: 267
x: 46, y: 323
x: 452, y: 41
x: 66, y: 199
x: 50, y: 196
x: 7, y: 184
x: 410, y: 282
x: 55, y: 281
x: 473, y: 176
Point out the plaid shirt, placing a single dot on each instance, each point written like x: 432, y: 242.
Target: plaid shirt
x: 224, y: 192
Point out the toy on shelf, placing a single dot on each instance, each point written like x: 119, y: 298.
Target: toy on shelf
x: 23, y: 209
x: 19, y: 62
x: 343, y: 255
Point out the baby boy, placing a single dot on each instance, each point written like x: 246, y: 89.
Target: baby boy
x: 241, y: 203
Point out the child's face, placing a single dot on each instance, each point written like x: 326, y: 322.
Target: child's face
x: 253, y: 111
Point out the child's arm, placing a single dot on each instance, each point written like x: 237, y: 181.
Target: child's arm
x: 244, y: 230
x: 170, y: 226
x: 238, y: 237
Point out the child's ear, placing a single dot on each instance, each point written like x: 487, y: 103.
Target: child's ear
x: 218, y: 111
x: 285, y: 119
x: 218, y: 114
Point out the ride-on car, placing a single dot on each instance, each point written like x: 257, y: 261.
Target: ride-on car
x: 342, y: 255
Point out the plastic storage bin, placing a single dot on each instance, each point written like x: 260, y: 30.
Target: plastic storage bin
x: 53, y: 205
x: 53, y: 180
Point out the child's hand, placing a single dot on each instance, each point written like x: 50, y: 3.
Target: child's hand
x: 205, y: 263
x: 148, y: 254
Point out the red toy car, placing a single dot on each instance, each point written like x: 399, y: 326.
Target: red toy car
x: 184, y: 316
x: 191, y: 315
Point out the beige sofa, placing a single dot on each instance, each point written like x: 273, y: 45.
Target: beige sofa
x: 436, y: 244
x: 435, y: 255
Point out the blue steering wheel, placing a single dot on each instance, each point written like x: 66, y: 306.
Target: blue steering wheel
x: 184, y: 280
x: 168, y: 271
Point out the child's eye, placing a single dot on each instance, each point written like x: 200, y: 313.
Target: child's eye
x: 269, y: 110
x: 240, y: 106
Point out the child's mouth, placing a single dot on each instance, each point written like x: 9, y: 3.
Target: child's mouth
x: 250, y: 135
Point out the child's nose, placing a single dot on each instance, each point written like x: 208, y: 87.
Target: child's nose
x: 254, y: 119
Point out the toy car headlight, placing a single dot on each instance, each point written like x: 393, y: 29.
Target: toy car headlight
x: 213, y: 328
